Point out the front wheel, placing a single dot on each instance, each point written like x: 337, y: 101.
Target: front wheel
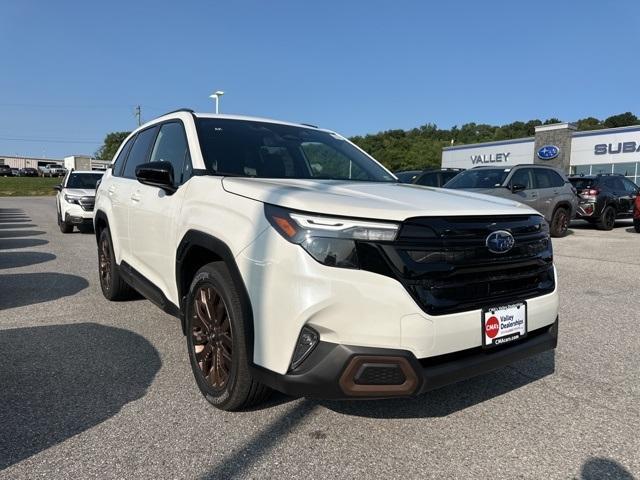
x: 607, y: 220
x: 559, y: 222
x: 636, y: 224
x: 65, y: 227
x: 217, y: 341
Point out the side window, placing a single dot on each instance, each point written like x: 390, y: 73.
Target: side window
x: 139, y: 151
x: 326, y: 162
x: 428, y: 180
x: 618, y: 184
x: 522, y: 177
x: 629, y: 186
x: 118, y: 163
x: 171, y: 146
x: 546, y: 178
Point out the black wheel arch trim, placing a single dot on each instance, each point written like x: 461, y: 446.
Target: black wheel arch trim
x: 196, y: 238
x: 99, y: 215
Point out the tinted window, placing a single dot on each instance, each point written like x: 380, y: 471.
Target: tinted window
x: 262, y: 149
x: 629, y: 186
x: 83, y: 180
x: 546, y: 178
x: 428, y: 180
x: 171, y: 146
x: 139, y: 151
x: 522, y: 176
x: 118, y: 163
x: 406, y: 177
x: 479, y: 178
x: 582, y: 182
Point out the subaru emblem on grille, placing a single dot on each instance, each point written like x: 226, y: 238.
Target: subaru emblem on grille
x: 500, y: 241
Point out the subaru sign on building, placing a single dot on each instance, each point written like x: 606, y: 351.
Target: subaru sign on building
x: 612, y: 150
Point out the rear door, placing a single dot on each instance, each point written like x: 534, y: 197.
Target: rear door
x: 124, y: 188
x: 549, y: 187
x: 154, y: 213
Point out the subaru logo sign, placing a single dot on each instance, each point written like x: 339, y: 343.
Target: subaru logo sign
x: 548, y: 152
x: 500, y: 241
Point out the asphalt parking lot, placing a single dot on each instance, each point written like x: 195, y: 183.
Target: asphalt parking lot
x: 93, y: 389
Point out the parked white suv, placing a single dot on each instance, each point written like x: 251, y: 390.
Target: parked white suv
x: 75, y: 200
x: 297, y: 262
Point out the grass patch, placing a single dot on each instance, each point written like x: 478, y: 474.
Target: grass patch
x: 27, y: 186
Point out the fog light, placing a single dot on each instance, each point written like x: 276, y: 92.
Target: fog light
x: 307, y: 341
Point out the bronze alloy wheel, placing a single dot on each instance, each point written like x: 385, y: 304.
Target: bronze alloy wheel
x: 211, y: 335
x: 104, y: 263
x: 561, y: 222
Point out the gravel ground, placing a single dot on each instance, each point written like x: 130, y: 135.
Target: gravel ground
x: 93, y: 389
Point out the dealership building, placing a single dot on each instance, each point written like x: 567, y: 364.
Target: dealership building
x: 612, y: 150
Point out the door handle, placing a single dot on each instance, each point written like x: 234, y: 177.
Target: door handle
x: 135, y: 197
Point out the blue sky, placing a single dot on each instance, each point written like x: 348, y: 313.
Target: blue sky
x: 71, y: 71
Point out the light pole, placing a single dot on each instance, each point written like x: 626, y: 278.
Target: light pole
x: 216, y: 96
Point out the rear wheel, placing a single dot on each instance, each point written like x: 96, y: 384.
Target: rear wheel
x: 607, y: 220
x: 217, y: 341
x: 112, y: 285
x: 559, y: 222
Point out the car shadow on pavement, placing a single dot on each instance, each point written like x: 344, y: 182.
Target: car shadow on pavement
x: 598, y: 468
x: 7, y: 226
x: 20, y: 233
x: 24, y: 259
x: 453, y: 398
x: 19, y: 289
x: 10, y: 243
x: 58, y: 381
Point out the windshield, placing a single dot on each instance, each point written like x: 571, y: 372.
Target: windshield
x: 248, y: 148
x: 83, y: 180
x: 480, y: 178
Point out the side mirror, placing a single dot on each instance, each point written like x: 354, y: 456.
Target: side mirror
x: 517, y: 187
x: 156, y: 174
x: 57, y: 188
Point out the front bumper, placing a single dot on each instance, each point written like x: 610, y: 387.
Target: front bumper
x: 334, y: 371
x: 78, y: 220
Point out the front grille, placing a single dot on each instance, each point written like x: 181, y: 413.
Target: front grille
x: 379, y: 374
x: 87, y: 203
x: 446, y: 266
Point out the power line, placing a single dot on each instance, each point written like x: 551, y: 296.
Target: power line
x: 48, y: 140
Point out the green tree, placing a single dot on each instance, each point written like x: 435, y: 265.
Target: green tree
x: 621, y: 120
x: 110, y: 146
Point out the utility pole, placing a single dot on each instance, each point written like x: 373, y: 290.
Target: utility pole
x: 138, y: 115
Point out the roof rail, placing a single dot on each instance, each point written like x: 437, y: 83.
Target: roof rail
x: 188, y: 110
x: 309, y: 125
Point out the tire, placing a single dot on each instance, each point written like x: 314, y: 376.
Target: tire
x: 64, y: 226
x: 217, y: 341
x: 607, y: 220
x: 636, y: 224
x: 559, y: 222
x: 112, y: 284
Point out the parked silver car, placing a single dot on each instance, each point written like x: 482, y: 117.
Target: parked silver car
x: 546, y: 189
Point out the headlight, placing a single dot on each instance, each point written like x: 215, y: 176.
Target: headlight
x: 329, y: 240
x: 71, y: 199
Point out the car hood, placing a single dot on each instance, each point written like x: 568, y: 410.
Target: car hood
x: 385, y: 201
x: 80, y: 192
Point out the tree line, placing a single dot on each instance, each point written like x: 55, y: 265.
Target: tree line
x: 421, y: 147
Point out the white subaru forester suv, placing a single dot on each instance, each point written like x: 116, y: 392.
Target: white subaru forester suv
x: 296, y: 262
x: 75, y: 200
